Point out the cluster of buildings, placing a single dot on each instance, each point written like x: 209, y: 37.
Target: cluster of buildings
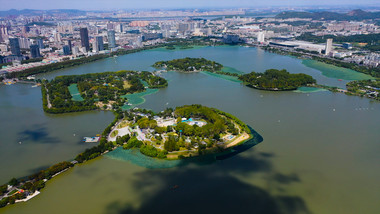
x: 58, y: 37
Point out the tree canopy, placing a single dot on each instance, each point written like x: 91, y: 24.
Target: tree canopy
x: 274, y: 79
x: 189, y: 64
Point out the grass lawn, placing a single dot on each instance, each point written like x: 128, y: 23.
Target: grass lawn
x: 123, y: 124
x: 114, y: 133
x: 126, y: 85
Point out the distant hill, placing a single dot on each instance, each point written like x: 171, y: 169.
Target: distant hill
x: 325, y: 15
x: 28, y: 12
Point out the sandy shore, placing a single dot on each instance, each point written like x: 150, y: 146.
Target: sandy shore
x: 238, y: 140
x: 28, y: 197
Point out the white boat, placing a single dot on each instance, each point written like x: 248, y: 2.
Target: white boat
x: 91, y: 139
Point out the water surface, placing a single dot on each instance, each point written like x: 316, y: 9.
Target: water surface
x: 319, y: 153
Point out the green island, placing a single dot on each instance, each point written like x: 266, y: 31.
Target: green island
x: 95, y: 91
x: 187, y: 131
x: 271, y: 79
x: 364, y: 88
x: 189, y: 65
x: 276, y: 80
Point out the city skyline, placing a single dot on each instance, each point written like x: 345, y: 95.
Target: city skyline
x: 168, y: 4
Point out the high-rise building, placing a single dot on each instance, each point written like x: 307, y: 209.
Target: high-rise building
x: 261, y: 37
x: 3, y: 47
x: 209, y: 32
x: 57, y: 36
x: 15, y: 46
x: 24, y: 43
x: 66, y: 50
x: 99, y: 44
x: 183, y: 27
x: 151, y: 36
x: 35, y: 51
x: 75, y: 50
x: 25, y: 30
x: 347, y: 45
x: 110, y: 26
x: 328, y: 49
x: 4, y: 32
x: 68, y: 43
x: 40, y: 43
x: 111, y: 39
x: 84, y: 39
x: 139, y: 41
x: 120, y: 27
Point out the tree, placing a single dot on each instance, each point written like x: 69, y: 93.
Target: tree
x: 13, y: 182
x: 171, y: 144
x: 3, y: 189
x: 133, y: 142
x: 149, y: 150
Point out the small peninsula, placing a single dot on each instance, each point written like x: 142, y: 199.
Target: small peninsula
x: 364, y: 88
x: 187, y: 131
x: 276, y: 80
x: 189, y: 65
x: 96, y: 90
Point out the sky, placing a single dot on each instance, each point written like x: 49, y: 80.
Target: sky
x: 151, y: 4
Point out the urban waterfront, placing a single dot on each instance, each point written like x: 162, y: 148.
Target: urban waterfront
x: 319, y: 152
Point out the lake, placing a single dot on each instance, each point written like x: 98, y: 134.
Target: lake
x: 319, y: 152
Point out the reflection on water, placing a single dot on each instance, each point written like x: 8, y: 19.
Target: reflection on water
x: 31, y: 139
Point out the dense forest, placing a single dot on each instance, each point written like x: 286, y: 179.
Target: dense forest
x: 277, y: 80
x: 189, y: 65
x: 96, y: 90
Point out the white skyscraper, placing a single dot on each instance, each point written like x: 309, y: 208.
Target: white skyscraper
x: 261, y: 37
x: 24, y: 43
x: 328, y: 49
x: 75, y: 50
x: 57, y: 36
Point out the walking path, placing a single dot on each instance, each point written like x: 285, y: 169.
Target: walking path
x: 28, y: 197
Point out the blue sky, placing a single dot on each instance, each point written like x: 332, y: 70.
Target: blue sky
x: 134, y: 4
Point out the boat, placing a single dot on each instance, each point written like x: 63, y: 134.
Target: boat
x: 340, y: 80
x: 91, y: 139
x: 174, y: 187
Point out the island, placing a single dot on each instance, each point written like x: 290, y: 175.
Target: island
x: 276, y: 80
x: 189, y: 65
x: 103, y: 91
x: 186, y: 131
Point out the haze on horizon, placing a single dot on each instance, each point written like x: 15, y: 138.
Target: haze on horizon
x: 169, y: 4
